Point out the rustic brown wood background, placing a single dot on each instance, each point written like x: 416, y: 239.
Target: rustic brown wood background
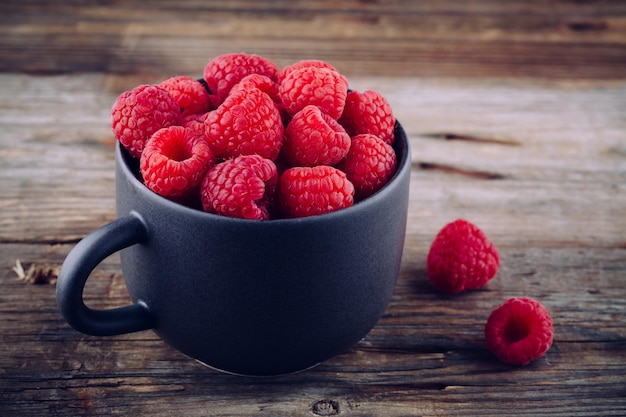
x: 516, y: 112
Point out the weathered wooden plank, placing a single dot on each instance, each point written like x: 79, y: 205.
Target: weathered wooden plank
x: 527, y: 162
x: 561, y: 40
x: 539, y: 165
x: 426, y: 355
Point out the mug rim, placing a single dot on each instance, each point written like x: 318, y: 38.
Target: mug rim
x: 400, y: 145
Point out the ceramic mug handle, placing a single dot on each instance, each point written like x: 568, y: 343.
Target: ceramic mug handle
x: 79, y: 264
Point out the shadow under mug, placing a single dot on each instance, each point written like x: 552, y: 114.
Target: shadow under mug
x: 244, y: 296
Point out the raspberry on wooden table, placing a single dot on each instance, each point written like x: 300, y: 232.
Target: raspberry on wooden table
x: 368, y: 112
x: 242, y: 187
x: 369, y: 164
x: 138, y: 113
x: 519, y: 331
x: 246, y: 123
x: 321, y: 87
x: 314, y: 138
x: 461, y: 258
x: 309, y: 191
x: 174, y: 162
x: 224, y: 71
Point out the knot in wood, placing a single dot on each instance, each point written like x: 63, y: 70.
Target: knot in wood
x: 326, y: 408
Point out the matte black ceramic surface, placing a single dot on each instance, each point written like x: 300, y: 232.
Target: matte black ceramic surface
x: 244, y: 296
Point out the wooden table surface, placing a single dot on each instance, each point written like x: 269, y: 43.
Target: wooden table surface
x: 516, y: 113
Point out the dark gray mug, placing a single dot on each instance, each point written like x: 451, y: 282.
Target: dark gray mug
x: 244, y: 296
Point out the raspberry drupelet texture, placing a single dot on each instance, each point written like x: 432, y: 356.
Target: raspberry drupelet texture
x: 247, y: 123
x: 244, y: 106
x: 314, y: 138
x: 461, y: 258
x: 224, y: 71
x: 189, y: 93
x: 321, y: 87
x: 309, y: 191
x: 519, y: 331
x: 242, y: 187
x: 263, y: 83
x: 196, y: 123
x: 174, y: 162
x: 303, y: 64
x: 368, y: 112
x: 138, y: 113
x: 369, y: 164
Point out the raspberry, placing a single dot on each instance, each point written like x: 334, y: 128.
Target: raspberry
x: 302, y: 64
x: 461, y: 258
x: 313, y: 138
x: 309, y: 191
x: 244, y: 106
x: 224, y: 71
x: 196, y: 125
x: 190, y: 94
x: 321, y: 87
x: 174, y: 162
x: 369, y: 165
x: 192, y: 118
x: 138, y: 113
x: 263, y: 83
x: 242, y: 187
x: 519, y: 331
x: 247, y: 123
x: 368, y: 112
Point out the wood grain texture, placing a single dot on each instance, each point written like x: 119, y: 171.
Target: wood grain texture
x: 554, y: 209
x: 515, y: 115
x: 559, y: 39
x: 551, y: 150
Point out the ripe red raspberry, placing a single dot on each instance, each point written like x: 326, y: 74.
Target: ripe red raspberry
x: 196, y: 126
x: 302, y: 64
x: 224, y: 71
x: 189, y: 93
x: 138, y: 113
x: 174, y: 162
x: 369, y: 165
x: 247, y: 123
x: 309, y: 191
x: 263, y: 83
x: 519, y: 331
x: 461, y: 258
x: 368, y: 112
x: 321, y: 87
x: 242, y: 187
x: 314, y: 138
x: 195, y: 121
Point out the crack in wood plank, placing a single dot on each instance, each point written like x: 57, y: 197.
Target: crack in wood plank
x: 44, y: 240
x: 451, y: 169
x: 471, y: 138
x: 587, y: 25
